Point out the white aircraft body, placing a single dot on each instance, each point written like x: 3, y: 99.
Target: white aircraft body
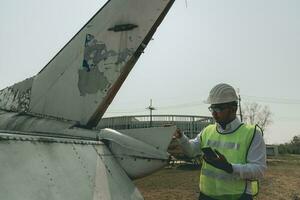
x: 49, y: 147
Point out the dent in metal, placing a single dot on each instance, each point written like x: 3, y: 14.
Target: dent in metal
x: 100, y: 66
x: 16, y: 97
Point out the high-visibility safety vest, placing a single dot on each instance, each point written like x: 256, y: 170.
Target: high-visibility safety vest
x: 217, y: 183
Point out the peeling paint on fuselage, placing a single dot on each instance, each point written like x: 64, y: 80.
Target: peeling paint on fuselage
x: 124, y: 55
x: 17, y: 97
x: 100, y: 67
x: 92, y: 81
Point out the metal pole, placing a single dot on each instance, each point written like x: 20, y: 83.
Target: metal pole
x: 150, y: 117
x: 151, y: 108
x: 240, y: 108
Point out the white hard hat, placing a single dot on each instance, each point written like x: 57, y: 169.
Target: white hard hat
x: 221, y: 93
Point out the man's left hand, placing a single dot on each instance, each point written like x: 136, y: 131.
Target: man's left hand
x: 219, y: 162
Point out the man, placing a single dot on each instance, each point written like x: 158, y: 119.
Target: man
x: 234, y: 153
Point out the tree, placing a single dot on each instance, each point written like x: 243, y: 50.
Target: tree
x: 295, y: 144
x: 254, y: 113
x: 296, y: 140
x: 293, y: 147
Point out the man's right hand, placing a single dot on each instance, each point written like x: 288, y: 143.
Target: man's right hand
x: 219, y: 162
x: 177, y: 134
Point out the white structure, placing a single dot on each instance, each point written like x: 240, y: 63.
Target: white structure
x: 272, y: 150
x: 191, y: 125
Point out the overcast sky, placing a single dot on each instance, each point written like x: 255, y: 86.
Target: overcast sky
x: 253, y: 45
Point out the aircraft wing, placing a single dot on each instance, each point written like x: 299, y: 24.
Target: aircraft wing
x: 80, y: 82
x: 49, y: 168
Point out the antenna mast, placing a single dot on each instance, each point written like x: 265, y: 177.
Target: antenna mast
x: 240, y: 106
x: 150, y: 108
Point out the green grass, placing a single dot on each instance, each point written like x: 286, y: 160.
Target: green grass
x: 281, y: 182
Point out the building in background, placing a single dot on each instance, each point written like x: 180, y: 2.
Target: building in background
x: 272, y: 150
x: 191, y: 125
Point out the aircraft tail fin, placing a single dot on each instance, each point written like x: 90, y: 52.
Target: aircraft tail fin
x: 80, y: 82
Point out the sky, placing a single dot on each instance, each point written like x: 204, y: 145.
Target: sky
x: 253, y: 45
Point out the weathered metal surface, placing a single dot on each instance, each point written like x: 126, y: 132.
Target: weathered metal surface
x: 136, y: 154
x: 97, y: 115
x: 50, y: 170
x: 81, y: 81
x: 45, y: 151
x: 22, y: 136
x: 17, y: 97
x: 23, y: 122
x: 139, y: 152
x: 146, y: 135
x: 139, y: 157
x: 132, y: 145
x: 34, y: 125
x: 39, y: 125
x: 53, y: 166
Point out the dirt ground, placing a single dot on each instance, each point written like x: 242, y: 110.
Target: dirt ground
x: 281, y: 182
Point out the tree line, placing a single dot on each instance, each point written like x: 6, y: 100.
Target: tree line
x: 254, y: 113
x: 292, y: 147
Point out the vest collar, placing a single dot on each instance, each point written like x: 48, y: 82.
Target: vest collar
x: 231, y: 127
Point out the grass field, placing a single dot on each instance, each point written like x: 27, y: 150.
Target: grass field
x: 281, y: 182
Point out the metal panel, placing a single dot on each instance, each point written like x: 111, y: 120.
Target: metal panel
x: 140, y: 152
x: 158, y: 137
x: 35, y: 168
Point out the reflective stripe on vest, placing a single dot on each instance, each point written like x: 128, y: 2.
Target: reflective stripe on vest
x: 217, y: 183
x: 221, y: 144
x: 221, y: 176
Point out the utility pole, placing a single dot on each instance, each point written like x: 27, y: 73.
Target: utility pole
x: 240, y: 106
x: 150, y: 108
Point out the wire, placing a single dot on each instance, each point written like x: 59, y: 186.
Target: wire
x: 183, y: 105
x: 273, y: 100
x: 191, y: 104
x: 197, y: 104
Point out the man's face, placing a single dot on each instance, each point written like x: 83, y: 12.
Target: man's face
x: 222, y: 113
